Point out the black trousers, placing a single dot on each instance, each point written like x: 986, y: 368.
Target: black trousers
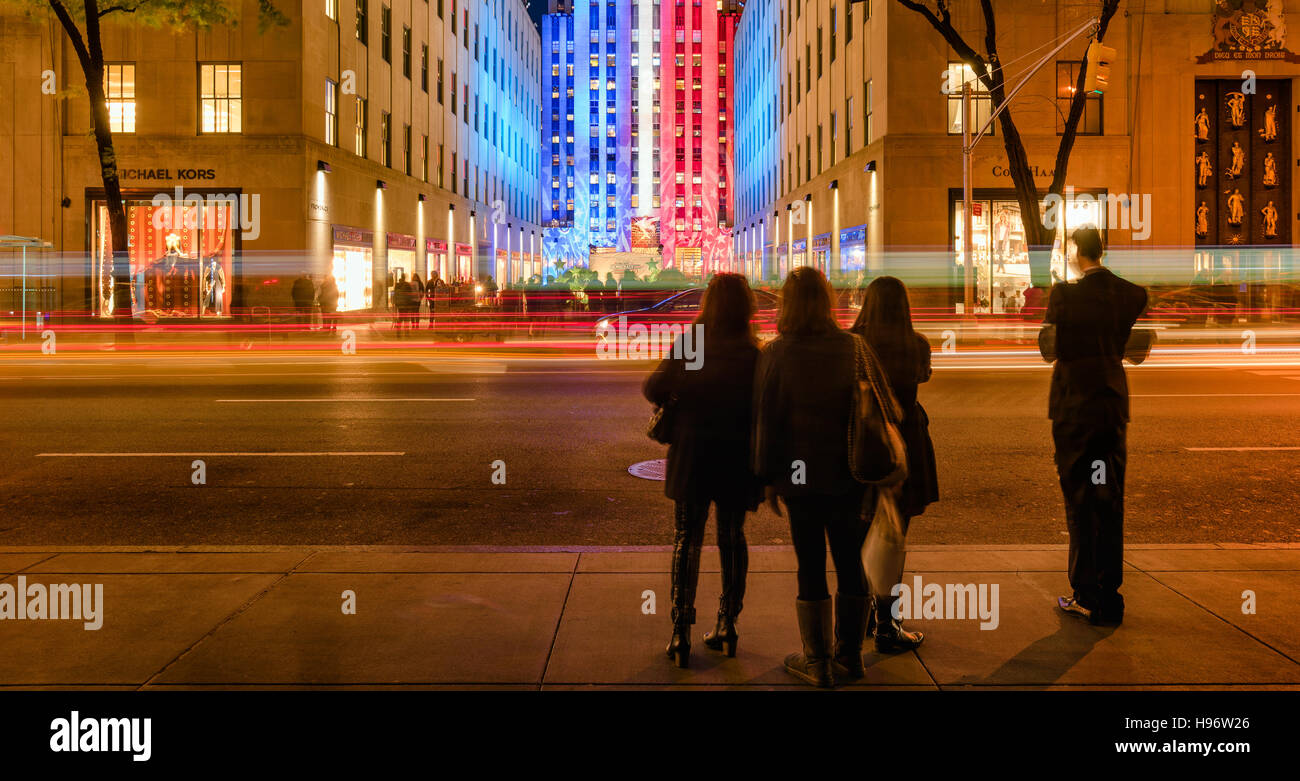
x: 1090, y: 459
x: 691, y: 518
x: 816, y: 520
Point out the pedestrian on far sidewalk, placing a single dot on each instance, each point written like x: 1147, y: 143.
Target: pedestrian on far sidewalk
x: 329, y: 303
x: 709, y: 454
x: 303, y: 294
x: 1088, y: 333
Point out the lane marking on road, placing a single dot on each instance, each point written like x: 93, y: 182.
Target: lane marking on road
x: 1203, y: 395
x: 240, y: 454
x: 1240, y: 449
x: 377, y: 400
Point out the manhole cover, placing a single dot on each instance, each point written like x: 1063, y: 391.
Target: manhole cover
x: 649, y: 470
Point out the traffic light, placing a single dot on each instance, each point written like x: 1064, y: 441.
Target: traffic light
x: 1097, y: 77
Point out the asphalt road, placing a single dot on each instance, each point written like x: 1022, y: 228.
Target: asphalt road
x: 400, y: 450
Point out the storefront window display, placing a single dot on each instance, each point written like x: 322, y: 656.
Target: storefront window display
x: 822, y: 252
x: 853, y: 249
x: 401, y: 260
x: 464, y: 262
x: 437, y: 257
x: 181, y: 256
x: 800, y: 253
x: 352, y: 268
x: 1000, y: 252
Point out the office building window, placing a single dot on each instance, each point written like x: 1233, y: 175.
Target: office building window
x: 453, y: 100
x: 119, y: 90
x: 424, y: 68
x: 359, y: 130
x: 386, y: 33
x: 363, y: 21
x: 332, y: 9
x: 220, y: 97
x: 406, y: 51
x: 331, y: 113
x: 1067, y: 79
x: 406, y: 149
x: 982, y: 103
x: 386, y: 138
x: 866, y: 107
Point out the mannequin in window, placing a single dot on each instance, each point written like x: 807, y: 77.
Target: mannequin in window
x: 214, y: 287
x: 180, y: 274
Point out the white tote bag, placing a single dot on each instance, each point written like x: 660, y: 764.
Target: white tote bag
x: 885, y: 548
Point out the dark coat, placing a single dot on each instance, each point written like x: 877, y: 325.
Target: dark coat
x: 709, y: 458
x: 803, y: 393
x: 329, y: 296
x: 907, y: 366
x: 1094, y: 318
x: 303, y: 292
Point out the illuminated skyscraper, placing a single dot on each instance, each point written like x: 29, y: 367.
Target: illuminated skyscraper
x: 625, y: 78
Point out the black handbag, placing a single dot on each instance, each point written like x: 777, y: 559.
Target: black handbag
x: 661, y: 422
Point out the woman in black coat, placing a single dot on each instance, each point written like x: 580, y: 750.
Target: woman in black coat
x: 803, y: 404
x: 708, y: 391
x: 886, y: 323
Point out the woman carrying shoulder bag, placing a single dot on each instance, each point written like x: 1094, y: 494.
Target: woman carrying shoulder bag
x: 885, y: 322
x: 705, y: 415
x: 804, y: 397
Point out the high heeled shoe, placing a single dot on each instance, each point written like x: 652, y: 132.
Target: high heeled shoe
x: 723, y: 637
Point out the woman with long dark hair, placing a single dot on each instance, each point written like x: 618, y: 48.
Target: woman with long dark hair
x: 709, y: 399
x: 803, y: 399
x: 886, y: 323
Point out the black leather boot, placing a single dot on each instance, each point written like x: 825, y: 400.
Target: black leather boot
x: 685, y: 578
x: 813, y: 666
x: 734, y: 555
x: 891, y: 637
x: 723, y: 637
x: 679, y: 646
x: 850, y: 629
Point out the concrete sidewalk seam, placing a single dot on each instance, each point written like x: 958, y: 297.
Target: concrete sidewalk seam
x: 231, y: 617
x: 21, y: 570
x: 559, y: 621
x: 1240, y: 629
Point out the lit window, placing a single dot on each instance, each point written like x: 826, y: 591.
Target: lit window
x: 359, y: 131
x: 119, y: 89
x: 331, y: 113
x: 220, y: 98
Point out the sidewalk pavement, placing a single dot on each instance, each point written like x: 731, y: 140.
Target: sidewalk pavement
x: 441, y: 618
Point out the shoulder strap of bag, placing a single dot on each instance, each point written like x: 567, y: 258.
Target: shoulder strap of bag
x: 869, y: 370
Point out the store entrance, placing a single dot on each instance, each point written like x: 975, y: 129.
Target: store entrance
x: 1000, y: 251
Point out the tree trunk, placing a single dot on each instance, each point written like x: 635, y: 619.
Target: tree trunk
x: 118, y: 229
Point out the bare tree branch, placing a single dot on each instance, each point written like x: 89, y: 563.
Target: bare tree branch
x: 1077, y: 103
x: 123, y: 8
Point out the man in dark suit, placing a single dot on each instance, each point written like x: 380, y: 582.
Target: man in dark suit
x: 1089, y: 325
